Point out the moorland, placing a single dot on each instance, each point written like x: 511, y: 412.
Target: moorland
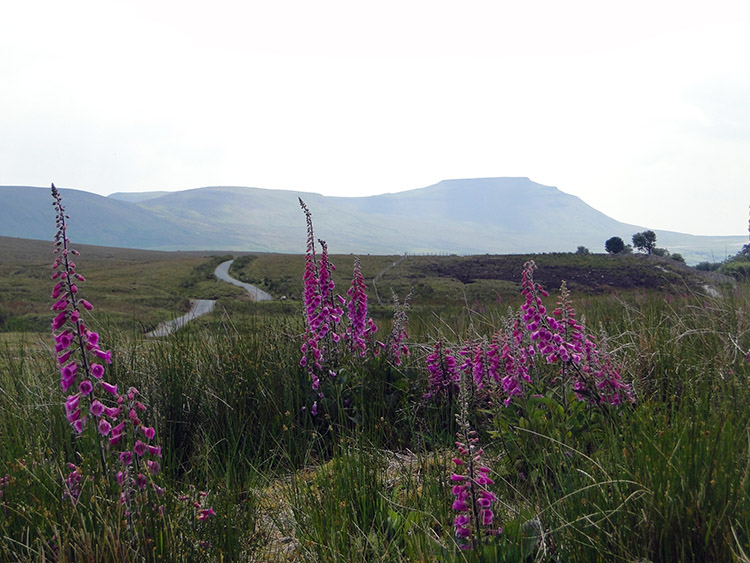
x: 636, y: 450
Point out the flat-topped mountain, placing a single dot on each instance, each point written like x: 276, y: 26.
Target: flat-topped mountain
x: 472, y: 216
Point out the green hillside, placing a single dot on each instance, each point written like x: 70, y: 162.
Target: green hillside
x: 464, y: 217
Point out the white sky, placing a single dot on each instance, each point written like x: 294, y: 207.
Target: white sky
x: 640, y: 108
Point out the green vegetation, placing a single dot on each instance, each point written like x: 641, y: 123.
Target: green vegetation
x: 368, y: 478
x: 737, y: 266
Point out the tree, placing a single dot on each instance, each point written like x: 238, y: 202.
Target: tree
x: 582, y: 250
x: 614, y: 245
x: 645, y: 241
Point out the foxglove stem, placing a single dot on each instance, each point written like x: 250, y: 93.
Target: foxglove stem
x: 444, y: 376
x: 474, y: 500
x: 360, y: 327
x: 397, y: 341
x: 76, y: 345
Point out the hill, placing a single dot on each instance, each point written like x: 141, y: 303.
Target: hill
x: 473, y: 216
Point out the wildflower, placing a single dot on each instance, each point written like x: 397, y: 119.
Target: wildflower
x: 140, y: 448
x: 359, y: 325
x: 473, y: 500
x: 85, y: 387
x: 96, y: 408
x: 92, y: 338
x: 104, y: 426
x: 105, y: 355
x: 73, y: 483
x: 444, y: 377
x: 205, y: 514
x: 397, y: 342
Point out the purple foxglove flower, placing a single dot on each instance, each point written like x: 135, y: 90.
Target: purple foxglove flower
x: 153, y: 466
x: 104, y: 426
x: 56, y: 290
x: 85, y: 387
x: 117, y: 430
x: 109, y: 388
x: 93, y: 338
x: 97, y: 370
x: 140, y: 481
x: 483, y: 480
x: 96, y: 408
x: 59, y: 320
x: 149, y: 432
x: 460, y: 505
x: 139, y: 448
x: 112, y: 412
x: 205, y: 514
x: 71, y: 403
x: 155, y: 450
x: 86, y: 305
x: 126, y: 458
x: 486, y: 516
x: 461, y: 520
x: 69, y: 370
x: 79, y: 425
x: 105, y: 355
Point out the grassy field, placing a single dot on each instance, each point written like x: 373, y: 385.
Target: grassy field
x: 369, y: 477
x: 132, y: 288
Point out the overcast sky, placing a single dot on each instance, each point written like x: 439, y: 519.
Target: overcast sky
x: 640, y: 108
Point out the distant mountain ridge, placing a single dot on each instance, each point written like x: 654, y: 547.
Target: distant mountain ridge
x: 471, y: 216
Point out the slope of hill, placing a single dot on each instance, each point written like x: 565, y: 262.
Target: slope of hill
x: 27, y: 212
x: 473, y: 216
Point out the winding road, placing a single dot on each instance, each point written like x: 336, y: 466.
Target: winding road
x: 222, y: 272
x: 200, y: 307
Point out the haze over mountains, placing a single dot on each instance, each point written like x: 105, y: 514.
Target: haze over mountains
x: 472, y: 216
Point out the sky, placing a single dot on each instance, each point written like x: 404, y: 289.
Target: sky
x: 640, y: 108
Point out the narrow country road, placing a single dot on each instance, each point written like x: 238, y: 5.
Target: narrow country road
x: 198, y: 307
x: 222, y: 272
